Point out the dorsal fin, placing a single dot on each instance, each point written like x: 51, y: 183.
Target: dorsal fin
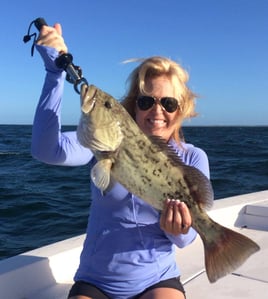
x: 168, y: 150
x: 198, y: 184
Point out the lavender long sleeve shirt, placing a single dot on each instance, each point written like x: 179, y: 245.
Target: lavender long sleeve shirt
x: 125, y: 250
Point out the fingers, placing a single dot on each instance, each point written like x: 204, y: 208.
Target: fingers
x: 175, y: 218
x: 186, y: 218
x: 58, y: 28
x: 52, y: 37
x: 166, y: 219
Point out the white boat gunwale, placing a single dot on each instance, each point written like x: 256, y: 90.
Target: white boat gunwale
x: 47, y: 272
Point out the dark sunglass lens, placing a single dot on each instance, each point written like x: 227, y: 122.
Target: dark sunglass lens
x: 170, y: 104
x: 145, y: 103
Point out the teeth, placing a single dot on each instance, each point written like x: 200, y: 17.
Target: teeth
x: 156, y: 121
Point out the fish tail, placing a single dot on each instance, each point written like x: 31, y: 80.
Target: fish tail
x: 225, y: 251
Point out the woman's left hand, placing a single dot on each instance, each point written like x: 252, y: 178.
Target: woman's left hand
x: 175, y: 218
x: 52, y: 37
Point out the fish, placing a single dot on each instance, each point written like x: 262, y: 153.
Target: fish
x: 147, y: 167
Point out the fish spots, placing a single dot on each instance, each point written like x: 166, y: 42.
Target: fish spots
x: 129, y: 154
x: 155, y: 160
x: 144, y: 159
x: 146, y: 180
x: 141, y: 190
x: 175, y: 195
x: 157, y: 172
x: 154, y: 148
x: 167, y: 165
x: 141, y: 144
x: 129, y: 134
x: 168, y: 195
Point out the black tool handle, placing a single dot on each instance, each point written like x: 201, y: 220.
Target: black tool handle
x: 39, y: 22
x: 64, y: 61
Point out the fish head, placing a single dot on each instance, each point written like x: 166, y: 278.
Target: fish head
x: 100, y: 123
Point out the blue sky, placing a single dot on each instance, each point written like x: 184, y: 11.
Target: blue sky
x: 222, y: 44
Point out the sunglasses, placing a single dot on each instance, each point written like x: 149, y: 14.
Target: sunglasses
x: 168, y: 103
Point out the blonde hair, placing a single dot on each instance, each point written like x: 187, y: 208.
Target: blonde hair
x: 157, y: 66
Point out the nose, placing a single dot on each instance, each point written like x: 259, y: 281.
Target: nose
x: 157, y: 106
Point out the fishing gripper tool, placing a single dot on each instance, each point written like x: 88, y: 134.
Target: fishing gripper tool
x: 64, y: 61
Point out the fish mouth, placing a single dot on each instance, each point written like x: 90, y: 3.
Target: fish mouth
x: 88, y: 98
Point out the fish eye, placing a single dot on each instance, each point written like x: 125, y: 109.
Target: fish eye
x: 108, y: 104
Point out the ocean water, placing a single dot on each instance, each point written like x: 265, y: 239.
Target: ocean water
x: 41, y: 204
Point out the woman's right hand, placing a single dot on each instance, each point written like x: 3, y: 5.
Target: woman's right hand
x: 52, y: 37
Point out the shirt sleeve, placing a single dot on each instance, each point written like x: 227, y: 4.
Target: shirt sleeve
x: 49, y: 143
x: 197, y: 158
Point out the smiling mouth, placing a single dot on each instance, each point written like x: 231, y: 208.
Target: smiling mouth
x: 156, y: 121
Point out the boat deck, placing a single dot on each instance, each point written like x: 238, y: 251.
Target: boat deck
x: 248, y: 281
x: 46, y: 273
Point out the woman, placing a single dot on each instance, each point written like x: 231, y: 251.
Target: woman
x: 129, y: 251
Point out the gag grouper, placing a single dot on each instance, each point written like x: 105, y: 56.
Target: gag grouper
x: 151, y: 170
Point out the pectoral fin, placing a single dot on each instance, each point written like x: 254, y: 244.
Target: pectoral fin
x: 100, y: 174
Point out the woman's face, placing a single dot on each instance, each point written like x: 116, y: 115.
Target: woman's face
x: 156, y: 120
